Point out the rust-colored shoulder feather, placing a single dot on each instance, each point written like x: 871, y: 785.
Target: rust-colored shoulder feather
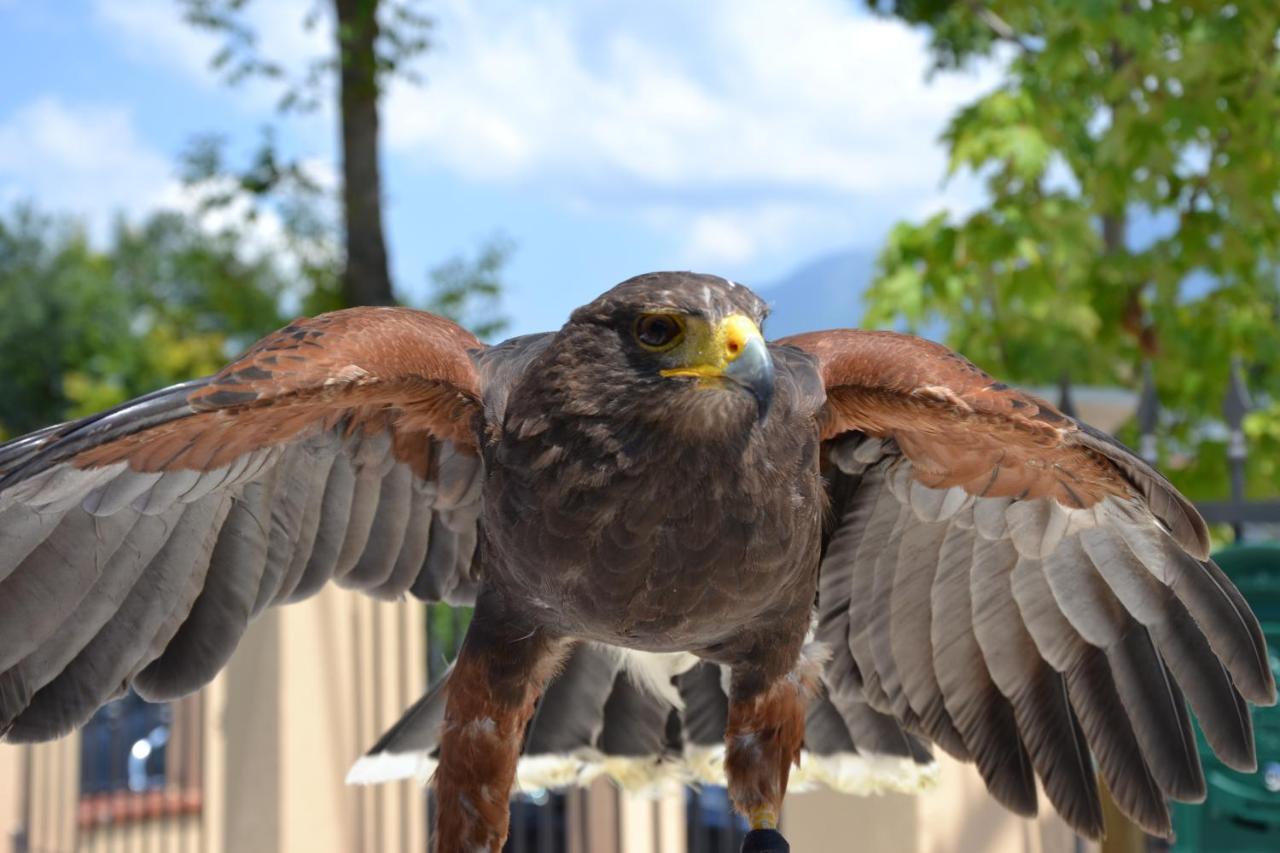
x: 355, y: 364
x: 961, y: 427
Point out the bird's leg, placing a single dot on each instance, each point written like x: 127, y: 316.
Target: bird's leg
x: 492, y: 690
x: 763, y: 736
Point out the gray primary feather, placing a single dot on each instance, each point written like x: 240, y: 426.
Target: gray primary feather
x: 1230, y: 628
x: 19, y: 682
x: 1093, y: 695
x: 221, y: 613
x: 286, y: 508
x: 1154, y: 704
x: 1178, y: 515
x: 1221, y: 710
x: 862, y: 580
x: 299, y: 556
x: 881, y: 661
x: 53, y: 578
x: 635, y: 721
x: 386, y: 535
x: 909, y: 622
x: 706, y: 707
x: 410, y: 560
x: 371, y: 460
x: 25, y: 527
x: 1158, y: 714
x: 1191, y: 661
x: 331, y: 531
x: 1046, y: 722
x: 570, y: 716
x: 117, y: 650
x: 825, y: 731
x: 981, y: 713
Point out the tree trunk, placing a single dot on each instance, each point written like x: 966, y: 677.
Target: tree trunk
x: 365, y: 280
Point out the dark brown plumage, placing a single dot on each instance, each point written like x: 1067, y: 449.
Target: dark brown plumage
x: 986, y: 573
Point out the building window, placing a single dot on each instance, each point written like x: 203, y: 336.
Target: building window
x: 712, y: 824
x: 140, y: 760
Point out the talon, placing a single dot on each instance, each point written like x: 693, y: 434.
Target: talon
x: 765, y: 841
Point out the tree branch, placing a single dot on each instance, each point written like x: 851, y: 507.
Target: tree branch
x: 1000, y: 28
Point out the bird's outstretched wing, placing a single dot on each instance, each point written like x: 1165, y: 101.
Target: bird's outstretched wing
x: 136, y: 545
x: 1021, y: 589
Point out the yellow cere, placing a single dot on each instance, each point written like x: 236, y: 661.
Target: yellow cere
x: 710, y: 354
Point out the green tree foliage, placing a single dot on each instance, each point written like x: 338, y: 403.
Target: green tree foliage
x: 467, y: 291
x: 83, y: 329
x: 1131, y: 157
x: 373, y: 41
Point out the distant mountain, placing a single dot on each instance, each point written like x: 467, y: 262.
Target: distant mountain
x: 822, y: 294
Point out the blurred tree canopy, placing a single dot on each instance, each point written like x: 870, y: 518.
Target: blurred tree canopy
x: 170, y: 299
x: 374, y: 40
x: 1131, y: 157
x: 87, y: 328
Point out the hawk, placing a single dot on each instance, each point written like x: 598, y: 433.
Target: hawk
x: 843, y: 541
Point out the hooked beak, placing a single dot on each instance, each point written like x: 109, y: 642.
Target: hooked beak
x: 753, y: 370
x: 735, y: 350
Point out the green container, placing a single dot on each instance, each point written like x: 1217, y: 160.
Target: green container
x: 1241, y: 813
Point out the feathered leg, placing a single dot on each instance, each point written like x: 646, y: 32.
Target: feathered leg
x: 492, y: 690
x: 763, y: 737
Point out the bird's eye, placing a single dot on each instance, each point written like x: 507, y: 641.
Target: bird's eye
x: 658, y: 332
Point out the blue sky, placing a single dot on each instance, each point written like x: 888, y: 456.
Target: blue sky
x: 741, y: 137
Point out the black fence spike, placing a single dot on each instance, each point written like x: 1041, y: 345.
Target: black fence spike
x: 1237, y: 403
x: 1148, y: 417
x: 1148, y: 403
x: 1066, y: 402
x: 1234, y: 407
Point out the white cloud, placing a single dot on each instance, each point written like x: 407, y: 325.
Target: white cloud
x: 83, y: 158
x: 733, y: 125
x: 154, y: 31
x: 87, y: 160
x: 735, y: 235
x: 781, y: 111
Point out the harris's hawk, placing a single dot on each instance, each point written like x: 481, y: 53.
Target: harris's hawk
x: 652, y: 510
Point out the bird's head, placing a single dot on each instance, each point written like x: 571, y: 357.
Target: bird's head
x: 680, y: 342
